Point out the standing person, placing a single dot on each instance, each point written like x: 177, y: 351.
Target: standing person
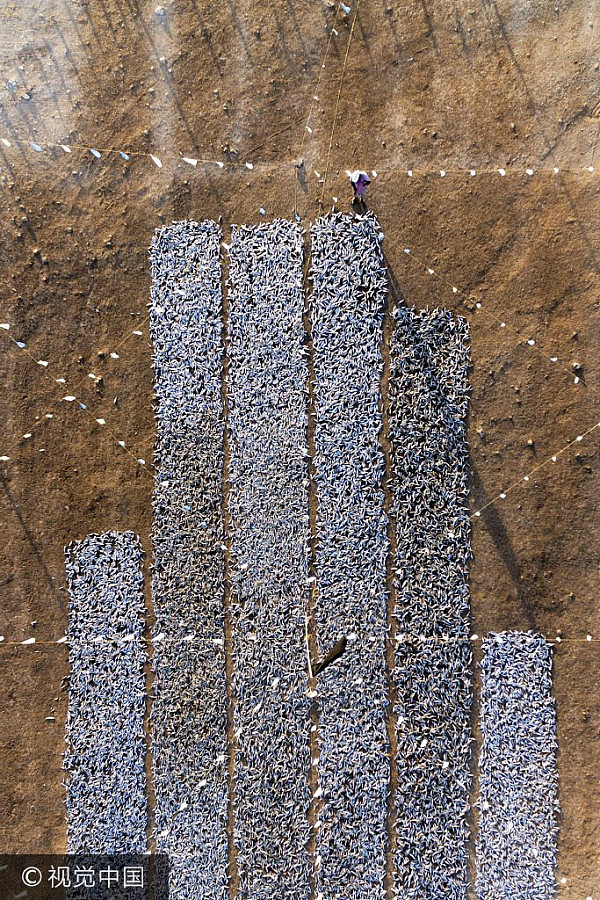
x: 359, y: 180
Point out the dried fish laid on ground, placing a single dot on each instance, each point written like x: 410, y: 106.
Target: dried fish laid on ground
x: 346, y: 306
x: 428, y: 400
x: 189, y: 715
x: 518, y: 779
x: 268, y: 503
x: 105, y: 756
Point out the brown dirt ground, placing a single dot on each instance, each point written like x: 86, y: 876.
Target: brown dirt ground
x: 425, y: 85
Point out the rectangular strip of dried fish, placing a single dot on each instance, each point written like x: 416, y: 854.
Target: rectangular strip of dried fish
x: 268, y: 502
x: 518, y: 830
x: 347, y: 312
x: 428, y: 398
x: 105, y: 756
x: 189, y: 715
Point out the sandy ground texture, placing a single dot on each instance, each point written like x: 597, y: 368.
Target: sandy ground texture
x: 430, y: 86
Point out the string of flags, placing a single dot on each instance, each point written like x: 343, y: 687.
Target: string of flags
x: 526, y: 478
x: 203, y: 162
x: 500, y: 171
x: 125, y: 155
x: 478, y: 303
x: 69, y: 398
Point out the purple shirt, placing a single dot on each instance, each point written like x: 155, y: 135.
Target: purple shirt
x: 361, y: 183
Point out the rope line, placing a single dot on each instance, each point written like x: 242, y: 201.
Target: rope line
x: 525, y: 478
x: 403, y: 639
x: 337, y: 102
x: 307, y: 129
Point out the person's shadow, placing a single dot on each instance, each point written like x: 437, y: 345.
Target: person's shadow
x: 500, y: 537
